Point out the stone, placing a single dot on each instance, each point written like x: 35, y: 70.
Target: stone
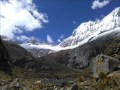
x: 103, y: 64
x: 2, y: 82
x: 73, y: 87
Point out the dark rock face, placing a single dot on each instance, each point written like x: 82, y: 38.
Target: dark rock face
x: 4, y: 59
x: 103, y: 64
x: 16, y: 52
x: 19, y: 56
x: 81, y: 56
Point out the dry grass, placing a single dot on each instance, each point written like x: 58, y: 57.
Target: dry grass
x: 4, y: 76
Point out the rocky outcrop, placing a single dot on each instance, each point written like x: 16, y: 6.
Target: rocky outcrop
x: 82, y: 56
x: 103, y: 64
x: 113, y: 49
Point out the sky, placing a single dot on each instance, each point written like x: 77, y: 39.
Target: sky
x: 49, y: 20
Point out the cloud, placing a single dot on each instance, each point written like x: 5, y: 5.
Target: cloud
x: 102, y: 15
x: 49, y: 39
x: 24, y: 38
x: 60, y: 38
x: 97, y: 4
x: 19, y: 16
x: 74, y: 22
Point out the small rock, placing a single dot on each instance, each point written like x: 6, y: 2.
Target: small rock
x: 73, y: 87
x: 2, y: 82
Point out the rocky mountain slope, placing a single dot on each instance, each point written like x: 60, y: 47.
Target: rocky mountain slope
x: 30, y: 70
x: 19, y: 70
x: 80, y: 57
x: 77, y: 58
x: 23, y: 59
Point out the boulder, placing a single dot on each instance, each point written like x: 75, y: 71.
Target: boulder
x: 73, y: 87
x: 103, y: 64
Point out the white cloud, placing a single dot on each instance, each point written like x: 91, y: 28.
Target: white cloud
x: 61, y: 38
x: 74, y: 23
x: 102, y: 16
x: 97, y: 4
x: 17, y: 14
x: 24, y: 38
x: 49, y: 39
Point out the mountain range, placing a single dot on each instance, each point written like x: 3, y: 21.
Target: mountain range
x: 86, y: 42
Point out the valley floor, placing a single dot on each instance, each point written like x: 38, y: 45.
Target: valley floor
x: 81, y: 80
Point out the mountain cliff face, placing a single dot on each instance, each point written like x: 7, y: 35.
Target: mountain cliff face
x: 91, y: 30
x: 80, y: 57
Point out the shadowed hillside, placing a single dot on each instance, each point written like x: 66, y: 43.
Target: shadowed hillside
x: 4, y: 59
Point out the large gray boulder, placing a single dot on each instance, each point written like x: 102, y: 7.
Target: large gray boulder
x: 103, y: 64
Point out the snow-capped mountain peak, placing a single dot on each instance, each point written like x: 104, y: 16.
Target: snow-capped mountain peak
x: 93, y: 29
x: 116, y: 12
